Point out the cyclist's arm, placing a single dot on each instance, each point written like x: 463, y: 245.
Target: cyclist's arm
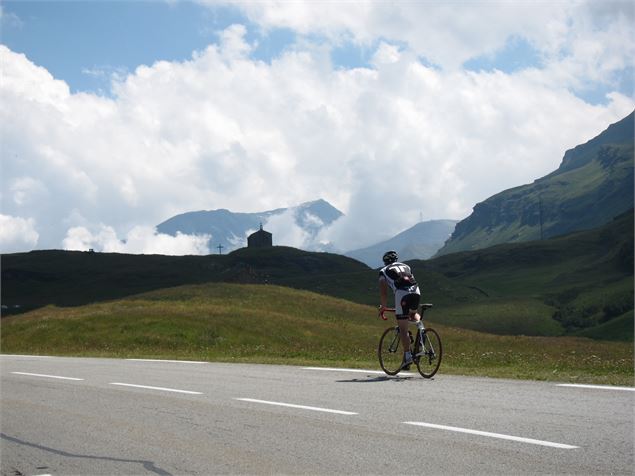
x: 383, y: 291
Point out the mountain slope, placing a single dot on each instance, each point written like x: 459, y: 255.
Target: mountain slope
x: 580, y: 281
x: 419, y: 242
x: 70, y: 278
x: 560, y: 285
x: 230, y: 229
x: 593, y: 184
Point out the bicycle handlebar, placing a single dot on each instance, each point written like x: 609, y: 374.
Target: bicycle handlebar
x: 382, y: 310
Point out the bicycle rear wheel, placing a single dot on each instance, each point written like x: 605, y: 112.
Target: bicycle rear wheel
x: 390, y: 351
x: 428, y: 359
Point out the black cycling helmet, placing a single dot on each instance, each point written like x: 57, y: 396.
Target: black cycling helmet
x: 390, y: 257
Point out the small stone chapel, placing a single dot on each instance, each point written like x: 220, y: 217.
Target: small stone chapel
x: 260, y: 239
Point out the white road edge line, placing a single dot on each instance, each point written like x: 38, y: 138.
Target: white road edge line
x: 47, y: 376
x: 302, y: 407
x: 600, y: 387
x: 171, y: 361
x: 492, y: 435
x: 176, y: 390
x: 360, y: 371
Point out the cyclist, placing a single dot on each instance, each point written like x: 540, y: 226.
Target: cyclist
x: 398, y: 277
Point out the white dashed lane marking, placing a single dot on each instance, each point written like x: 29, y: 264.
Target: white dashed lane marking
x: 164, y: 389
x: 46, y: 376
x: 492, y: 435
x: 597, y: 387
x: 292, y: 405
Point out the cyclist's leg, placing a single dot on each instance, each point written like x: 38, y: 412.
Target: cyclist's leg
x: 413, y: 304
x: 401, y: 314
x: 410, y: 304
x: 402, y: 322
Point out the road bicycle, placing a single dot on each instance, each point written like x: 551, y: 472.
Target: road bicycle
x: 426, y: 347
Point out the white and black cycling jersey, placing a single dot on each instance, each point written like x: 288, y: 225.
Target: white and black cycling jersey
x: 399, y: 277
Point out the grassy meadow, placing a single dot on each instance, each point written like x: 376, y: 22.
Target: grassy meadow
x: 558, y: 309
x: 227, y: 322
x: 579, y: 283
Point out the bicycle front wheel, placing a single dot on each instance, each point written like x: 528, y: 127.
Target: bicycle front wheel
x: 390, y: 351
x: 428, y: 359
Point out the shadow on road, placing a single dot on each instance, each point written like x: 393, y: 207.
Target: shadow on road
x: 147, y: 465
x: 383, y: 378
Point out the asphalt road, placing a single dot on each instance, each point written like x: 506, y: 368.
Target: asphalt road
x: 105, y: 416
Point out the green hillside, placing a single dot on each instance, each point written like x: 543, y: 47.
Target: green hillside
x: 67, y: 278
x: 593, y: 184
x: 71, y: 278
x: 559, y: 286
x: 273, y: 324
x: 562, y: 285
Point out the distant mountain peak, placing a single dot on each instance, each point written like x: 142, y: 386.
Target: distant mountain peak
x: 230, y: 229
x: 592, y: 185
x: 421, y: 241
x: 582, y: 154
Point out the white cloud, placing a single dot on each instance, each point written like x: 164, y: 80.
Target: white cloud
x: 286, y: 231
x: 386, y: 54
x: 577, y: 39
x: 17, y: 234
x: 384, y: 144
x: 239, y: 241
x: 139, y: 240
x: 26, y: 191
x: 233, y: 40
x: 310, y: 220
x: 9, y: 19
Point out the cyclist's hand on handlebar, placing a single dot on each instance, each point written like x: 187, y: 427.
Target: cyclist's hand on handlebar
x: 382, y: 309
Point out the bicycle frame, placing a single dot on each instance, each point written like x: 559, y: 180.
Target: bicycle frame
x: 420, y: 330
x: 421, y: 347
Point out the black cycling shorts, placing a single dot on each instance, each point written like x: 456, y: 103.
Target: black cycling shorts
x: 405, y: 303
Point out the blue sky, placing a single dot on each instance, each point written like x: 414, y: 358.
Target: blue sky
x: 72, y: 38
x: 85, y: 42
x: 162, y: 107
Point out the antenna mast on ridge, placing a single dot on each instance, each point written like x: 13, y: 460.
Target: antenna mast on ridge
x: 540, y: 211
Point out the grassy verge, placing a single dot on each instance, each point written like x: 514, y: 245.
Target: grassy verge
x: 271, y: 324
